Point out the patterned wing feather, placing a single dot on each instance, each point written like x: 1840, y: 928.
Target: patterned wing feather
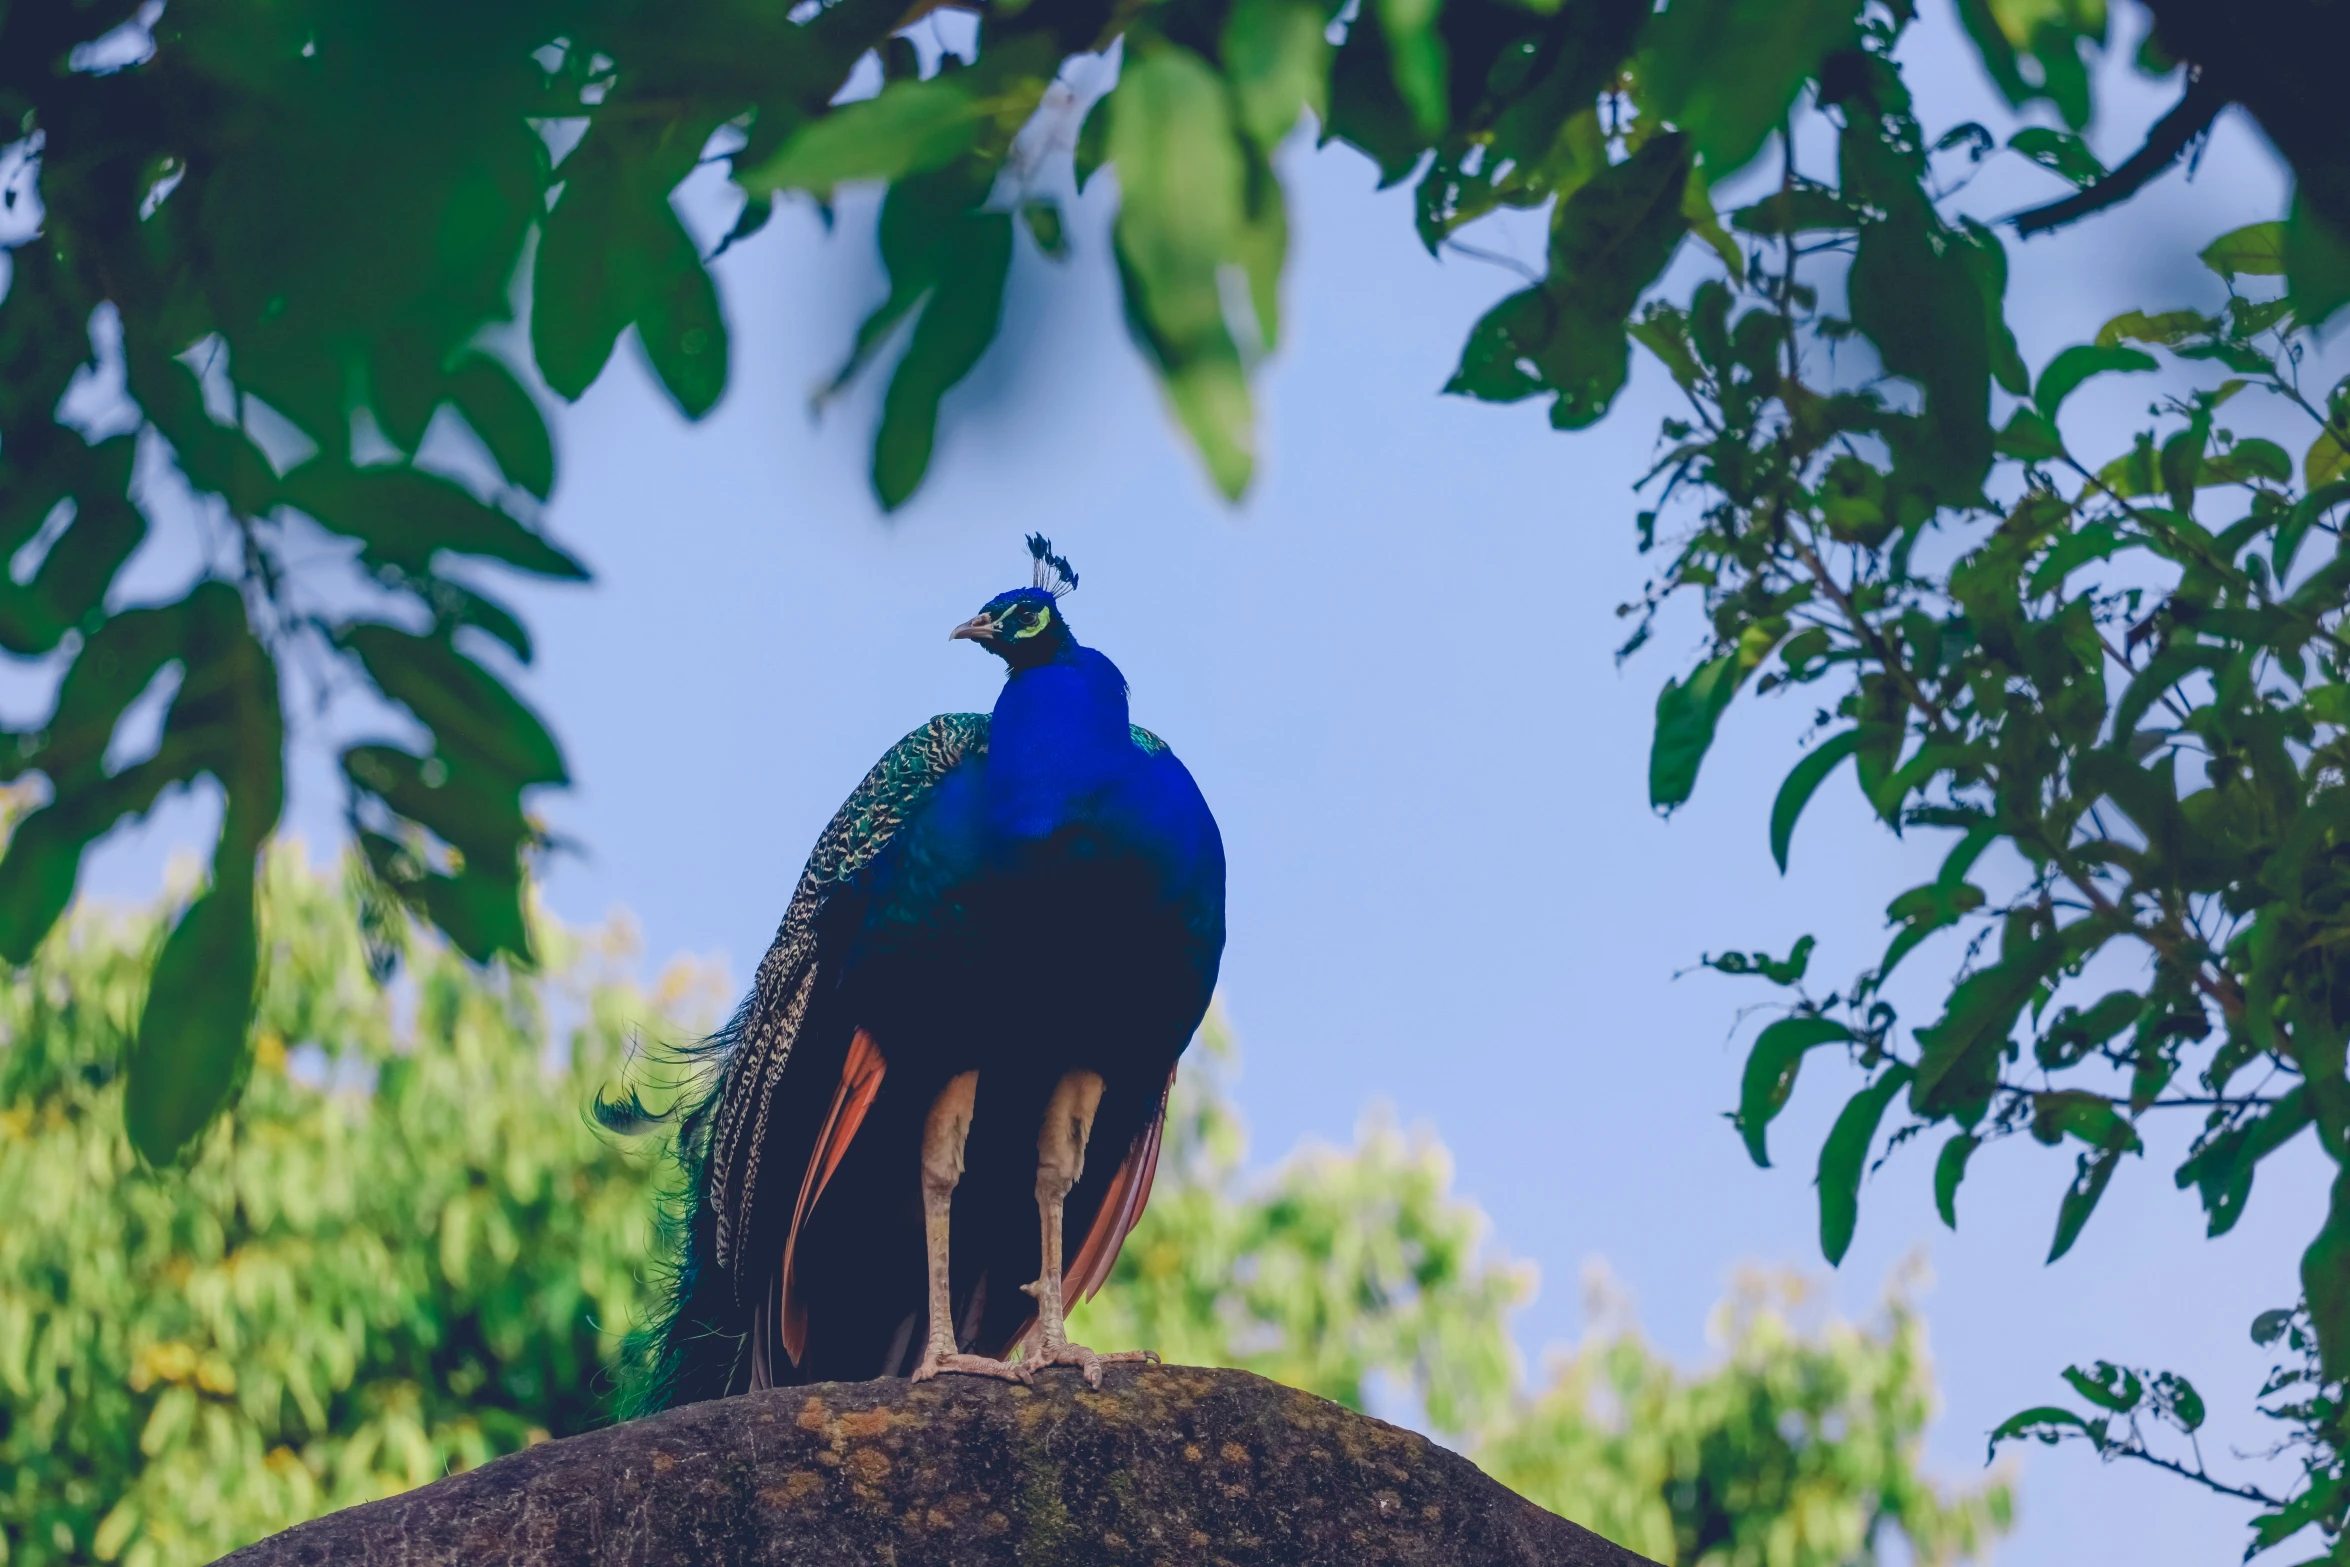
x: 890, y: 795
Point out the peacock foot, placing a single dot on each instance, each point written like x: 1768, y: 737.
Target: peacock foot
x: 1091, y: 1361
x: 971, y: 1366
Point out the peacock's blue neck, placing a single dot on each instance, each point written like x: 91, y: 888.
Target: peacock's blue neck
x: 1059, y: 735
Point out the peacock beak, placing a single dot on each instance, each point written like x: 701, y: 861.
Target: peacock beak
x: 979, y: 628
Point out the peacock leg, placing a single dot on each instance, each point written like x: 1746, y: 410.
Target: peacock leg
x: 943, y: 1135
x: 1060, y: 1159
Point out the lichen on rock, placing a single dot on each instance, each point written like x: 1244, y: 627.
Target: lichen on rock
x: 1162, y: 1465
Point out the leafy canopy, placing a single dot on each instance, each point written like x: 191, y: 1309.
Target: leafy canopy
x: 297, y: 235
x: 2113, y: 685
x: 407, y: 1253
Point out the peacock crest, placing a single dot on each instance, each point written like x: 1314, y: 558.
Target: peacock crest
x: 1054, y: 574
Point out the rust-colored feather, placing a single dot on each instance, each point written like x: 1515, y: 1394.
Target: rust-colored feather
x: 860, y: 1080
x: 789, y: 975
x: 1121, y: 1210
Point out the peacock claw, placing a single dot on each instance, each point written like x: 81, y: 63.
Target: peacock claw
x: 971, y: 1366
x: 1091, y: 1362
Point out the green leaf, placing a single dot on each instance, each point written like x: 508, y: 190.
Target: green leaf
x: 468, y: 709
x: 1959, y: 1060
x: 2061, y: 153
x: 2049, y: 1424
x: 68, y: 584
x: 1788, y: 970
x: 482, y: 912
x: 1417, y: 54
x: 2317, y: 263
x: 1801, y: 209
x: 2222, y: 1167
x: 2325, y: 1281
x: 1921, y: 290
x: 1686, y: 713
x: 2134, y: 472
x: 403, y: 517
x: 405, y: 385
x: 1921, y: 911
x: 480, y: 908
x: 2161, y: 672
x: 1697, y: 205
x: 1194, y: 201
x: 2091, y: 1172
x: 2030, y: 436
x: 680, y: 323
x: 2108, y: 1386
x: 1770, y: 1075
x: 1727, y: 71
x: 1657, y: 332
x: 223, y: 721
x: 958, y: 320
x: 1803, y: 781
x: 1093, y: 141
x: 2176, y: 1400
x: 1042, y: 218
x: 1882, y: 711
x: 582, y: 294
x: 1609, y: 241
x: 1949, y: 1170
x: 612, y: 254
x: 2251, y: 458
x: 185, y: 1062
x: 464, y: 804
x: 2074, y: 1033
x: 2256, y: 249
x: 2033, y: 49
x: 2091, y: 542
x: 2169, y: 328
x: 507, y: 420
x: 2077, y: 364
x: 2325, y: 461
x: 1367, y: 110
x: 2092, y: 1118
x: 1844, y: 1157
x: 906, y: 128
x: 190, y: 1047
x: 2320, y: 1502
x: 1420, y: 59
x: 1277, y: 59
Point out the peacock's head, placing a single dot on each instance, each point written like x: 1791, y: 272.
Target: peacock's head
x: 1025, y: 627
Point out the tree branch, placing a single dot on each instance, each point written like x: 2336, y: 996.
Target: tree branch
x: 2189, y: 118
x: 2248, y: 1493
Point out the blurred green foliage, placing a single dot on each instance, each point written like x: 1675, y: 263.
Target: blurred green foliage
x: 1800, y: 1450
x: 409, y: 1252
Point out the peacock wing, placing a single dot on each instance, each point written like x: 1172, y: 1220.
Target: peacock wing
x: 873, y: 815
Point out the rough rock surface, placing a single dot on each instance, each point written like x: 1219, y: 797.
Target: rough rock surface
x: 1163, y: 1465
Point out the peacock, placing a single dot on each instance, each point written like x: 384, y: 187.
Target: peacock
x: 933, y: 1121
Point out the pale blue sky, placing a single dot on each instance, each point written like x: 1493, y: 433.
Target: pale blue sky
x: 1390, y: 670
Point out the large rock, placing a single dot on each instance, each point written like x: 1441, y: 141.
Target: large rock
x: 1163, y: 1465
